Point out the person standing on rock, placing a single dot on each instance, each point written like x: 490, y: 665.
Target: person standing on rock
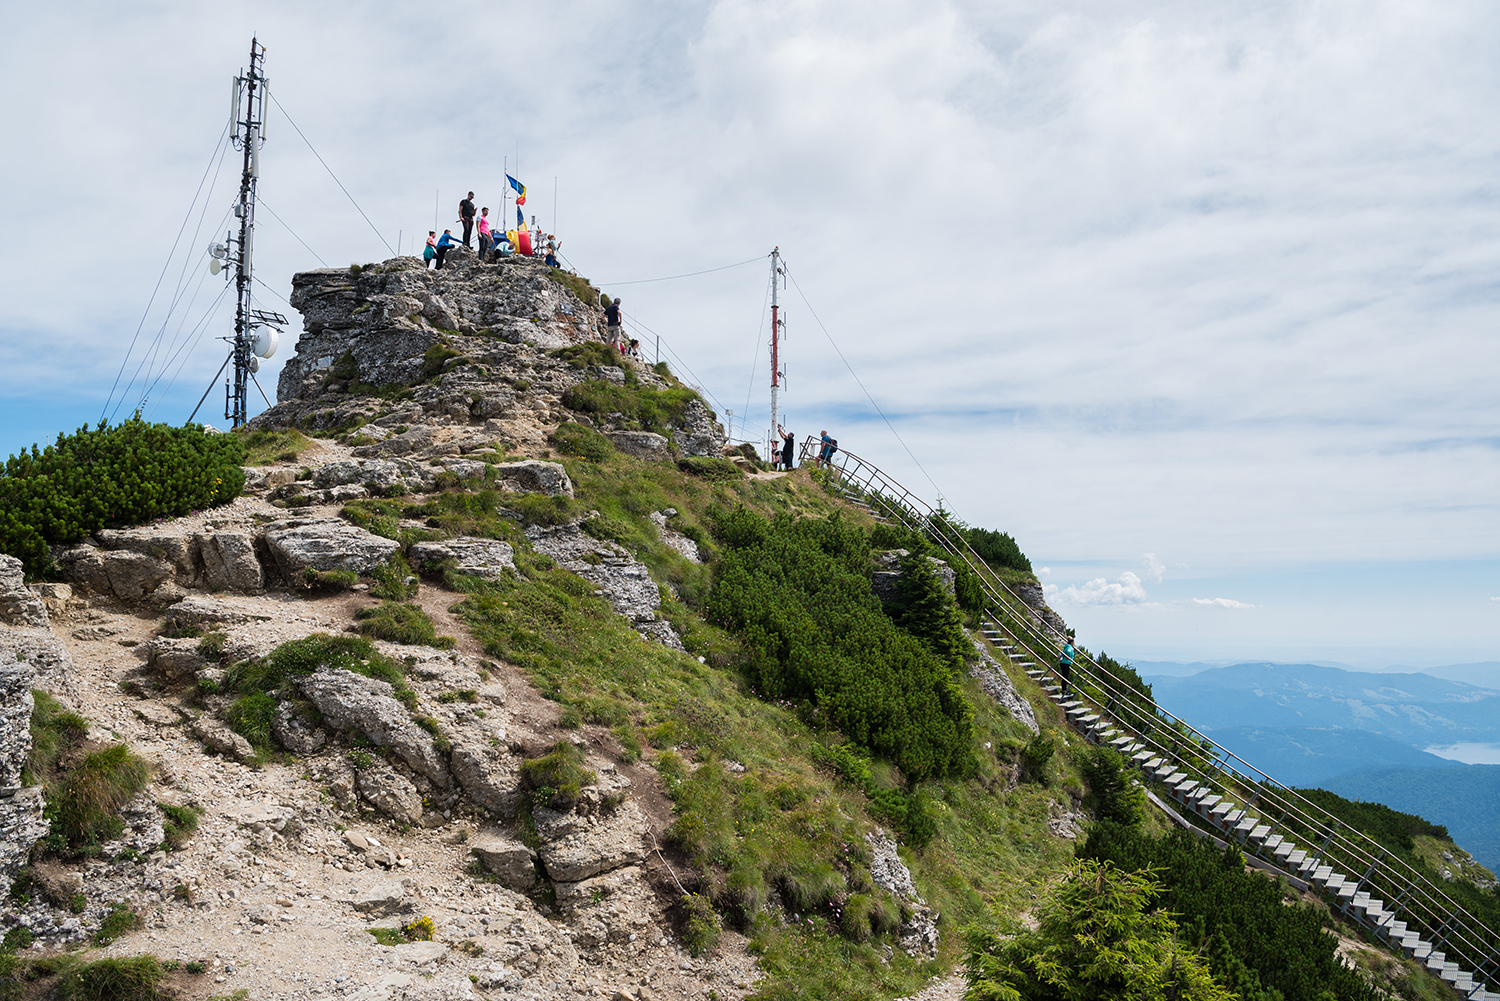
x: 466, y: 216
x: 429, y: 253
x: 484, y: 233
x: 788, y: 442
x: 612, y: 322
x: 445, y: 243
x: 830, y: 446
x: 1065, y: 664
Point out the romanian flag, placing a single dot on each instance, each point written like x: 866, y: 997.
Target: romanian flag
x: 520, y: 218
x: 520, y: 189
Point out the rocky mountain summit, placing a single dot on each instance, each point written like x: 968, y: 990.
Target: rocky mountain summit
x: 393, y: 781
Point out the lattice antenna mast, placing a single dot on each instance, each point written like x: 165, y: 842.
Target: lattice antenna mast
x: 248, y: 106
x: 776, y: 374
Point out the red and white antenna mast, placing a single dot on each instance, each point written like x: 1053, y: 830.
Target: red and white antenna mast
x: 775, y: 349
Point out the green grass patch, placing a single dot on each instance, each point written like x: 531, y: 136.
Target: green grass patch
x: 117, y: 922
x: 556, y: 779
x: 263, y: 448
x: 179, y: 823
x: 585, y: 443
x: 401, y: 623
x: 710, y: 467
x: 91, y: 793
x: 641, y: 407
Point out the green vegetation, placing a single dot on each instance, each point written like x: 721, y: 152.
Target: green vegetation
x: 435, y: 359
x: 85, y: 791
x: 1097, y: 937
x: 261, y: 684
x: 642, y: 408
x: 117, y: 922
x: 134, y: 978
x: 112, y: 477
x: 401, y: 623
x: 710, y: 467
x: 1255, y: 943
x: 179, y: 823
x: 586, y: 443
x: 580, y: 287
x: 262, y: 448
x: 798, y: 593
x: 55, y: 732
x: 1115, y: 794
x: 556, y: 779
x: 329, y: 580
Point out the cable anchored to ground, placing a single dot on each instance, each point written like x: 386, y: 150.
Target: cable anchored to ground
x: 690, y: 274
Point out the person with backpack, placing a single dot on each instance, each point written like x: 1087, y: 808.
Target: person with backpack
x: 430, y: 251
x: 445, y: 243
x: 612, y: 324
x: 466, y: 216
x: 830, y: 446
x: 1065, y: 664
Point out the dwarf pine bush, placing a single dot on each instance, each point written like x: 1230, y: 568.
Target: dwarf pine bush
x: 798, y: 594
x: 109, y: 477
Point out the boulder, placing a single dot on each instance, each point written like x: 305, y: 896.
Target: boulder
x: 391, y: 793
x: 268, y: 477
x: 698, y: 433
x: 646, y: 445
x: 381, y: 472
x: 997, y: 685
x: 490, y: 775
x: 293, y: 732
x: 354, y: 702
x: 205, y: 612
x: 581, y: 847
x: 326, y: 545
x: 230, y: 562
x: 508, y: 859
x: 19, y: 606
x: 16, y: 681
x: 167, y: 542
x: 218, y: 737
x: 128, y: 575
x: 534, y: 477
x: 175, y: 659
x: 382, y: 898
x: 488, y: 559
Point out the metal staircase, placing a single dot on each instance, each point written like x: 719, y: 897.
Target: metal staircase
x: 1221, y: 795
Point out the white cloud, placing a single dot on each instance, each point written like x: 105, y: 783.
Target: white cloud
x: 1047, y: 572
x: 1125, y: 591
x: 1496, y: 598
x: 1154, y: 567
x: 1222, y: 603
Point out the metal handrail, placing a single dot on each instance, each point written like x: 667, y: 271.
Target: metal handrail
x: 1216, y: 765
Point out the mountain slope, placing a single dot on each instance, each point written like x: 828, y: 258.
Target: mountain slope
x: 1466, y: 800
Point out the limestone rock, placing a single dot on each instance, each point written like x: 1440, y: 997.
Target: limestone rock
x: 646, y: 445
x: 326, y: 545
x: 490, y: 775
x: 391, y: 793
x: 580, y: 847
x: 175, y: 659
x: 622, y: 579
x: 125, y: 574
x: 919, y: 933
x: 354, y: 702
x: 488, y: 559
x: 381, y: 472
x: 534, y: 477
x: 230, y: 562
x: 18, y: 605
x: 168, y: 542
x: 421, y: 953
x: 47, y: 657
x: 699, y: 433
x: 382, y: 898
x: 268, y: 477
x: 293, y: 733
x: 997, y: 685
x: 218, y: 737
x: 673, y: 538
x: 205, y: 612
x: 506, y: 858
x: 887, y: 575
x: 16, y: 681
x: 22, y: 824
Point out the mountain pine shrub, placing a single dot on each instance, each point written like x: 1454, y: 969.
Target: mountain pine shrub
x: 112, y: 477
x: 797, y: 593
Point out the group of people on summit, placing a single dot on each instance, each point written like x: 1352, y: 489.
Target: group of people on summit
x: 493, y: 243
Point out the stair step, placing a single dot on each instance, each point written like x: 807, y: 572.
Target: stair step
x: 1260, y: 832
x: 1421, y: 950
x: 1321, y: 874
x: 1297, y: 857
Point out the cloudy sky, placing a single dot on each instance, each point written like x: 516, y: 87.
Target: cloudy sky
x: 1198, y: 301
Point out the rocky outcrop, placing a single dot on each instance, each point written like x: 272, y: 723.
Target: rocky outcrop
x: 487, y: 559
x: 621, y: 579
x: 327, y: 544
x: 533, y: 477
x: 1035, y: 599
x: 997, y: 685
x: 918, y: 932
x: 646, y: 445
x: 18, y: 605
x: 673, y: 538
x: 886, y: 578
x: 508, y: 859
x: 354, y: 702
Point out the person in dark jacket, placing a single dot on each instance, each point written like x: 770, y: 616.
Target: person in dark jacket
x: 445, y: 243
x: 466, y: 216
x: 612, y: 322
x: 788, y: 442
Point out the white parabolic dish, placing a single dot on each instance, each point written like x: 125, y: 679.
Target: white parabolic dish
x: 266, y: 340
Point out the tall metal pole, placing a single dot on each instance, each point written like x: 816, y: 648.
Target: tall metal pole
x: 775, y: 348
x: 247, y: 135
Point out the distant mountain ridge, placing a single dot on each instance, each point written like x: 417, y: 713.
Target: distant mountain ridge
x: 1416, y: 709
x: 1313, y: 756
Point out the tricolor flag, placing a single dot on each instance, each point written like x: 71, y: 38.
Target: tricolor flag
x: 520, y: 189
x: 520, y: 217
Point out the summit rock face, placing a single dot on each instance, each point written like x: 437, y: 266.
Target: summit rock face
x: 431, y: 363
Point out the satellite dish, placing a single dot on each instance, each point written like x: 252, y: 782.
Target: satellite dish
x: 254, y: 364
x: 218, y: 250
x: 214, y: 267
x: 266, y: 341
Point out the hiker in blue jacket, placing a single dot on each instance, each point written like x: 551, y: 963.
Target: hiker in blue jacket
x: 445, y: 243
x: 1065, y: 664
